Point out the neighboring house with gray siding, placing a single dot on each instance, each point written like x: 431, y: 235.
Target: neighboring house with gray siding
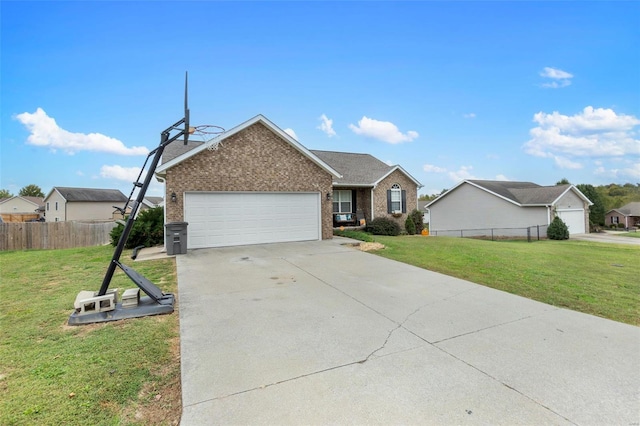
x: 485, y: 204
x: 627, y: 215
x: 64, y: 204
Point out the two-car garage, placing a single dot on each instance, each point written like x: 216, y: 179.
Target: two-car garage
x: 218, y: 219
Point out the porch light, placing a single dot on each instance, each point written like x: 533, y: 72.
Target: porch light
x: 174, y: 198
x: 329, y: 196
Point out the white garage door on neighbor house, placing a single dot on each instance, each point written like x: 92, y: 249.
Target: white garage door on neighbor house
x: 219, y: 219
x: 574, y: 219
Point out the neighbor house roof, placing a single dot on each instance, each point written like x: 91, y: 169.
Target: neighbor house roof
x: 88, y: 194
x: 359, y: 169
x: 520, y: 193
x: 631, y: 209
x: 37, y: 201
x: 190, y: 151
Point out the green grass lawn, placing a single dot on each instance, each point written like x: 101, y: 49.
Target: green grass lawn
x: 595, y: 278
x: 123, y: 372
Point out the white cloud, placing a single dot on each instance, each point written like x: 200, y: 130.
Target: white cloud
x: 559, y: 78
x: 461, y: 174
x: 129, y: 174
x: 46, y: 132
x: 631, y: 171
x: 565, y: 163
x: 291, y: 133
x: 382, y: 130
x: 502, y: 177
x: 594, y: 132
x: 470, y: 115
x: 430, y: 168
x: 326, y: 125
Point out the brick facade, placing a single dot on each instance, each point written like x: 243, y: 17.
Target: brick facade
x: 380, y: 196
x: 254, y: 159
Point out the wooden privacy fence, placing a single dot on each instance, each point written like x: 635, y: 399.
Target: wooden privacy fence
x: 53, y: 235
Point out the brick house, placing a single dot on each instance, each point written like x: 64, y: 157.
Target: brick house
x: 627, y: 216
x: 256, y: 184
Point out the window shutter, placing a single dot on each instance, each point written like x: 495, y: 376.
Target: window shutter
x: 353, y: 201
x: 404, y: 201
x: 388, y: 201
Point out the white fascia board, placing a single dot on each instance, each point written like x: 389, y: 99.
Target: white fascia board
x: 577, y: 191
x: 51, y: 192
x: 441, y: 196
x: 258, y: 118
x: 349, y: 185
x: 393, y: 169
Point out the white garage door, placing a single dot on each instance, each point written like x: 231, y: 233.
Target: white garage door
x: 218, y: 219
x: 574, y: 220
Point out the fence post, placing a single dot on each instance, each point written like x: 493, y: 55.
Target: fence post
x: 528, y: 234
x: 492, y: 234
x: 538, y: 227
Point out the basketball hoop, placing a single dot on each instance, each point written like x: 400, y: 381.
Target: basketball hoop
x: 205, y: 132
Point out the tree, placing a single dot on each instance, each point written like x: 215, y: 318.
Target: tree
x: 31, y: 191
x: 597, y: 210
x: 4, y: 193
x: 563, y: 181
x: 558, y: 230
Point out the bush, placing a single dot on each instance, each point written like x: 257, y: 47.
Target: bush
x: 383, y: 226
x: 148, y: 230
x: 558, y: 230
x: 409, y: 226
x: 417, y: 217
x: 621, y: 225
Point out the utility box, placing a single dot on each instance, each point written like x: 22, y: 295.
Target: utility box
x: 175, y: 237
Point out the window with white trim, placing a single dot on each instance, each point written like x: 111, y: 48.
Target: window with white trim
x: 396, y: 198
x: 342, y: 201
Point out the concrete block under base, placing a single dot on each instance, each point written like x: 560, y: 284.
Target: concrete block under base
x: 87, y: 302
x: 131, y: 298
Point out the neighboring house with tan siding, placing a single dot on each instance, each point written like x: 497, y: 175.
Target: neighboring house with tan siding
x: 256, y: 184
x: 503, y: 205
x: 63, y: 204
x: 17, y: 208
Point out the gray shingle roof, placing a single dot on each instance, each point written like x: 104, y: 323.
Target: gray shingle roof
x: 356, y: 169
x: 91, y: 194
x: 177, y: 148
x: 631, y: 209
x: 524, y: 193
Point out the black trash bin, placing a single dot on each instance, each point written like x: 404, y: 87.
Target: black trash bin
x: 175, y: 237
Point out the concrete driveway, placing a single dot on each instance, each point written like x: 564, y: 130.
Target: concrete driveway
x: 321, y: 333
x: 607, y: 237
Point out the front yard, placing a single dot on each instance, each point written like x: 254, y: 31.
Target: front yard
x: 125, y: 372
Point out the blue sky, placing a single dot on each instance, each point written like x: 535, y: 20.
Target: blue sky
x: 528, y: 91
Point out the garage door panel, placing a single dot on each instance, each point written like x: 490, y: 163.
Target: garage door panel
x: 226, y: 219
x: 574, y: 219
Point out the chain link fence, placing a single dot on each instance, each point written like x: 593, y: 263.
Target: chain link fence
x: 529, y: 233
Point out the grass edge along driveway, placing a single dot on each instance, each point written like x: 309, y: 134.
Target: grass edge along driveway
x: 122, y: 372
x: 595, y: 278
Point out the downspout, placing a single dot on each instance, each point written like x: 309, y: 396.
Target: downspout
x: 371, y: 197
